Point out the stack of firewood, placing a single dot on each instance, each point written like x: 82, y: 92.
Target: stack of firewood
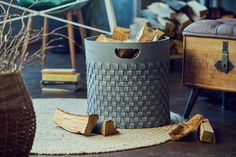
x: 171, y: 17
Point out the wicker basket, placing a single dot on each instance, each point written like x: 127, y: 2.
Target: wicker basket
x: 134, y: 93
x: 17, y: 117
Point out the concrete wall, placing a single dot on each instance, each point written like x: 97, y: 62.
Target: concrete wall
x: 229, y: 5
x: 98, y: 17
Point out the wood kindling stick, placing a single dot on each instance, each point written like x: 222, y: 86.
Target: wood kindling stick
x: 206, y: 133
x: 75, y: 123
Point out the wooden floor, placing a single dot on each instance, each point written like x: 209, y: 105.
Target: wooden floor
x: 223, y: 120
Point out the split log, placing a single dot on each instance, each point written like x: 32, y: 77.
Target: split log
x: 152, y: 19
x: 189, y: 11
x: 172, y: 17
x: 179, y: 37
x: 103, y: 38
x: 166, y: 23
x: 198, y: 9
x: 206, y: 133
x: 162, y: 10
x: 183, y: 19
x: 179, y: 46
x: 135, y: 28
x: 186, y: 128
x: 172, y: 43
x: 105, y: 128
x: 141, y: 21
x: 169, y: 33
x: 155, y: 24
x: 197, y: 18
x: 121, y: 33
x: 75, y: 123
x: 147, y: 14
x: 159, y: 34
x: 180, y: 50
x: 176, y: 5
x: 178, y: 43
x: 180, y: 29
x: 147, y: 34
x: 173, y: 51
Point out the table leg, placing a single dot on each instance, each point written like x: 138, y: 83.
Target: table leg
x: 70, y: 30
x: 82, y: 30
x: 224, y: 100
x: 45, y: 40
x: 195, y: 92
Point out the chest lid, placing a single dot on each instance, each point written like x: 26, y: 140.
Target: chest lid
x: 221, y: 28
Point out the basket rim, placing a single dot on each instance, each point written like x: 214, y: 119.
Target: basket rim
x: 93, y: 38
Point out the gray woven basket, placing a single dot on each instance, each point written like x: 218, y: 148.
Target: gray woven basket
x: 131, y: 92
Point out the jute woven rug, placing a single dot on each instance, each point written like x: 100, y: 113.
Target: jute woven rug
x: 51, y: 139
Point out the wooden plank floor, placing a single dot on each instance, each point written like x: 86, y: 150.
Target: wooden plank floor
x: 223, y: 121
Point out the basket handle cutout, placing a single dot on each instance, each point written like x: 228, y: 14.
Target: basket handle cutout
x: 127, y: 53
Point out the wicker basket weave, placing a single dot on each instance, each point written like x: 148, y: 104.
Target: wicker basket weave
x: 17, y: 117
x: 134, y: 93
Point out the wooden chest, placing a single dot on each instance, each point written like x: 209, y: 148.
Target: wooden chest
x: 210, y: 55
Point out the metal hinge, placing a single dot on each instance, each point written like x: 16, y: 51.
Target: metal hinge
x: 224, y: 65
x: 225, y: 57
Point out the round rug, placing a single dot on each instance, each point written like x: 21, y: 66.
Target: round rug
x: 51, y: 139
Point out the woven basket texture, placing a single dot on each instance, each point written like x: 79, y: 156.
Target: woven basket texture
x: 132, y: 95
x: 17, y: 117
